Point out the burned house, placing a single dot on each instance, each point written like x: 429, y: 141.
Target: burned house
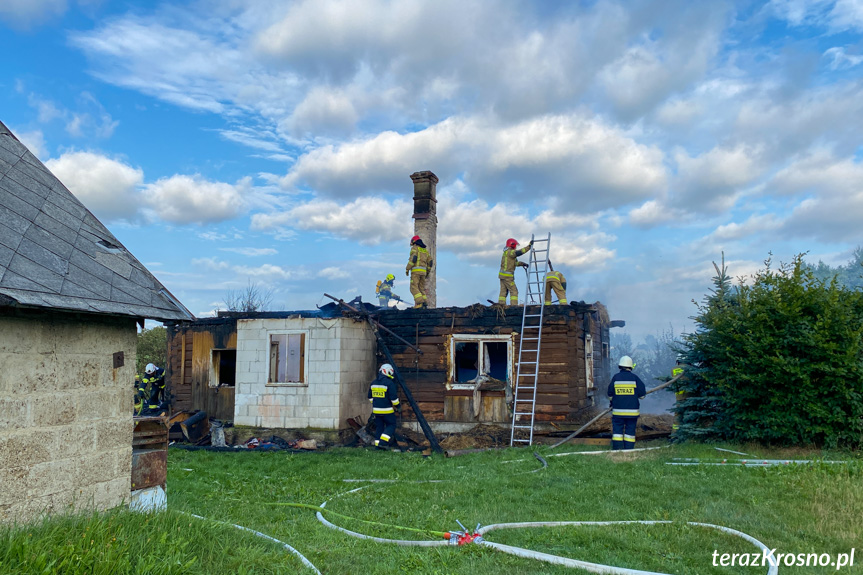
x: 312, y: 369
x: 469, y: 356
x: 70, y: 298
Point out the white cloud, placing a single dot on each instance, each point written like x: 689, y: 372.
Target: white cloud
x: 28, y: 13
x: 106, y: 186
x: 211, y: 263
x: 714, y: 180
x: 655, y: 212
x: 324, y: 111
x: 573, y: 159
x: 840, y: 60
x: 368, y: 220
x: 192, y: 199
x: 833, y: 207
x: 837, y: 15
x: 333, y: 273
x: 251, y: 252
x: 35, y: 142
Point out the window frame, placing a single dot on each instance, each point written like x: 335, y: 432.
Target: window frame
x: 215, y: 369
x: 304, y: 358
x: 509, y: 339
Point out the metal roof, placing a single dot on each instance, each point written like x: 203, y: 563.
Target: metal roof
x: 55, y: 254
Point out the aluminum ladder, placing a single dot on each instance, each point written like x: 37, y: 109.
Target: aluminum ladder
x: 530, y: 343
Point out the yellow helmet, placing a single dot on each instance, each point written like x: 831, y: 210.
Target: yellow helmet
x: 390, y: 277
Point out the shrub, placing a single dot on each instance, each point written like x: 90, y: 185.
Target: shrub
x: 780, y: 361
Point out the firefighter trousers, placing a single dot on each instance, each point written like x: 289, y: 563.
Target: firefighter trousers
x: 385, y: 426
x: 507, y: 285
x: 559, y: 291
x: 623, y: 432
x: 418, y: 288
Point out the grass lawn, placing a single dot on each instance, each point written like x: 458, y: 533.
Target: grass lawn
x: 801, y: 509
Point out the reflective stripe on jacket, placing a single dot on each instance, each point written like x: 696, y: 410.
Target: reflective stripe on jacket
x: 508, y: 261
x: 555, y: 275
x: 156, y: 379
x: 419, y: 260
x: 625, y: 390
x: 383, y: 395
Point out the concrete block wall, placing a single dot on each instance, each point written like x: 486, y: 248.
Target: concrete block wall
x: 338, y: 353
x: 65, y: 414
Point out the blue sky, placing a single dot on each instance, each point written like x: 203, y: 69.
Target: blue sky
x: 228, y: 141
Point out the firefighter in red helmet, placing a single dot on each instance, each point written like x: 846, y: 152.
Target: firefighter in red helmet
x: 508, y: 263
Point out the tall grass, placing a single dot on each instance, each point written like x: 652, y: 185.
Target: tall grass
x: 816, y: 508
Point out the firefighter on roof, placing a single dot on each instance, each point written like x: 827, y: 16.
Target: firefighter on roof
x: 555, y: 281
x: 384, y: 291
x: 625, y: 390
x: 508, y: 262
x: 385, y: 400
x: 419, y: 265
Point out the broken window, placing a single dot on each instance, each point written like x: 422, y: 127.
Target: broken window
x: 287, y: 358
x: 480, y: 357
x: 223, y: 368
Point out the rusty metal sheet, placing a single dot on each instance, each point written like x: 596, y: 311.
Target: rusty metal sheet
x: 149, y: 468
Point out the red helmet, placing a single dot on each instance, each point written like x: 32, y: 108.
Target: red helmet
x: 414, y: 239
x: 511, y: 243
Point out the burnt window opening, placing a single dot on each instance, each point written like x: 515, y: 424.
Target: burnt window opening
x: 223, y: 369
x: 480, y: 357
x: 466, y: 361
x: 287, y: 358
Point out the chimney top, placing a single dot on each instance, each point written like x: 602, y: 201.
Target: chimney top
x: 424, y: 175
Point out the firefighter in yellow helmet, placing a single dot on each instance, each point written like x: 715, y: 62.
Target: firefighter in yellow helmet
x: 384, y: 291
x: 419, y: 265
x: 555, y: 280
x: 508, y: 262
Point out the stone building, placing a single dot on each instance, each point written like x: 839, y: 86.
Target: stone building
x: 71, y: 297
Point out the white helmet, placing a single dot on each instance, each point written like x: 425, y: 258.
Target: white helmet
x: 387, y: 370
x: 625, y: 361
x: 150, y: 369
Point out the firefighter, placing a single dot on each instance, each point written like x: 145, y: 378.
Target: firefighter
x: 624, y: 391
x: 555, y: 281
x: 679, y: 395
x: 155, y: 377
x: 384, y: 291
x: 419, y: 265
x: 508, y: 262
x: 140, y: 394
x: 385, y: 401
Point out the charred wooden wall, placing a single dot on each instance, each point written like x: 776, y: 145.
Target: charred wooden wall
x: 563, y: 390
x: 190, y: 348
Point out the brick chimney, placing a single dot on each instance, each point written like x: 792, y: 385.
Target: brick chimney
x: 425, y: 223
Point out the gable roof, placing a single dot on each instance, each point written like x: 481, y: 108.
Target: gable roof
x: 55, y: 254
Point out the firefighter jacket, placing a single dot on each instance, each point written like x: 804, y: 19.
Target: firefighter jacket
x: 556, y: 275
x: 625, y: 390
x: 383, y: 395
x: 419, y: 261
x: 508, y: 261
x: 155, y: 379
x: 385, y: 288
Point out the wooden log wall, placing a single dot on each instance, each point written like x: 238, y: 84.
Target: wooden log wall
x: 190, y: 348
x: 562, y: 388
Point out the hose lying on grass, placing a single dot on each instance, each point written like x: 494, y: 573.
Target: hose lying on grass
x: 287, y: 547
x: 477, y: 537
